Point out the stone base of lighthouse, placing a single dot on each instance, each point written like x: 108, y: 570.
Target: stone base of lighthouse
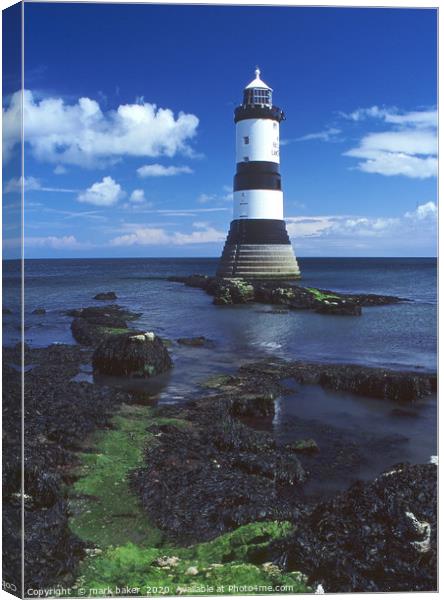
x: 258, y: 249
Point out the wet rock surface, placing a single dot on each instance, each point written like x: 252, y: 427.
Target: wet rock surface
x: 374, y: 382
x: 132, y: 354
x: 39, y: 311
x: 378, y: 536
x: 288, y: 294
x: 93, y: 324
x: 215, y: 474
x: 59, y: 414
x: 195, y: 342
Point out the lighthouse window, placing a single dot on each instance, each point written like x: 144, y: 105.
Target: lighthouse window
x: 246, y: 139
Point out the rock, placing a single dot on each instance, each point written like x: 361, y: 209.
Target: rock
x: 7, y: 311
x: 39, y: 311
x: 303, y: 447
x: 254, y: 404
x: 233, y: 291
x: 193, y: 341
x: 106, y: 296
x: 376, y: 537
x: 131, y: 354
x: 91, y: 325
x: 340, y: 307
x: 215, y: 475
x: 374, y: 382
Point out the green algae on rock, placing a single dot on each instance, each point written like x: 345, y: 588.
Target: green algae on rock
x: 232, y: 563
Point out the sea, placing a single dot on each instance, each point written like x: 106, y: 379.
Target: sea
x: 398, y: 336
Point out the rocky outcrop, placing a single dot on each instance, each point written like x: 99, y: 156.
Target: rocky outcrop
x: 59, y: 414
x: 376, y: 537
x: 39, y: 311
x: 131, y: 354
x: 214, y: 475
x: 227, y: 291
x: 374, y: 382
x: 106, y: 296
x: 93, y: 324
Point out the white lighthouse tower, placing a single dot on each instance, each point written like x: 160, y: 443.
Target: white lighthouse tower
x: 257, y: 244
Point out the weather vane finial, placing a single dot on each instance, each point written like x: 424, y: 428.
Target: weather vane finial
x: 257, y: 72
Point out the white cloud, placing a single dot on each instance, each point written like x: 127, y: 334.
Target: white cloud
x: 103, y: 193
x: 137, y: 196
x: 408, y: 149
x: 31, y: 184
x: 82, y: 134
x: 147, y: 236
x: 67, y: 242
x: 423, y: 211
x: 325, y: 136
x: 60, y: 170
x: 419, y: 222
x: 15, y: 184
x: 157, y: 170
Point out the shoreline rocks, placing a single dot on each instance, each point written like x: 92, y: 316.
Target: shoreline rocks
x: 229, y: 291
x: 92, y: 324
x: 131, y: 354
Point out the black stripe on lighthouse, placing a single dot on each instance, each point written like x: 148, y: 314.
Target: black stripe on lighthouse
x: 257, y: 175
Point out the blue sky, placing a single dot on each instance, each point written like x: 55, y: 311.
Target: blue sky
x: 130, y: 135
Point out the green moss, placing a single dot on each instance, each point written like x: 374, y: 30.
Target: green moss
x: 321, y: 296
x: 104, y: 509
x: 131, y: 553
x: 113, y: 330
x: 212, y: 567
x: 217, y: 381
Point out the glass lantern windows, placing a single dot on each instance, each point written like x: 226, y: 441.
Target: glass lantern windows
x: 257, y: 96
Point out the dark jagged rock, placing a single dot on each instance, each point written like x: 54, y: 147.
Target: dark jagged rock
x: 91, y: 325
x: 39, y: 311
x: 214, y: 473
x: 59, y: 414
x: 376, y: 537
x: 129, y: 354
x: 374, y: 382
x: 343, y: 307
x: 227, y: 291
x: 7, y: 311
x: 106, y: 296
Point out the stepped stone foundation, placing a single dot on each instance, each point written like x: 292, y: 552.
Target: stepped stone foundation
x: 260, y: 261
x: 258, y: 249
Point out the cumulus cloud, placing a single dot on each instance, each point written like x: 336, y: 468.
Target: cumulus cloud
x: 420, y: 221
x: 82, y: 134
x: 409, y: 148
x: 157, y: 170
x: 60, y: 170
x: 137, y: 196
x: 103, y: 193
x: 148, y: 236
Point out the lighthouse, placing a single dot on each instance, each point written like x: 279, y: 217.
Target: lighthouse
x: 257, y: 245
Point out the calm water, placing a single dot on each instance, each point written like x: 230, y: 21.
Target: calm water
x: 397, y: 336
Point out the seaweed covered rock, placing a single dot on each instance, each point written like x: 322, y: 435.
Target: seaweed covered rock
x: 94, y: 323
x: 216, y: 474
x: 233, y: 291
x: 136, y: 354
x: 376, y: 537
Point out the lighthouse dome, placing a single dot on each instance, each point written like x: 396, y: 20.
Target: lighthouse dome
x: 257, y: 93
x: 257, y: 82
